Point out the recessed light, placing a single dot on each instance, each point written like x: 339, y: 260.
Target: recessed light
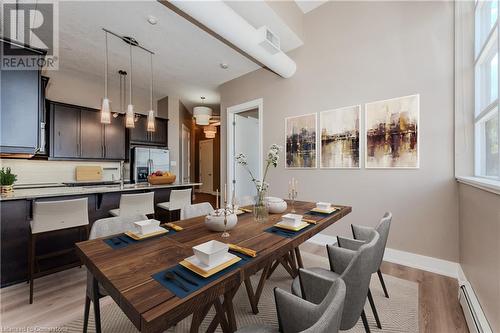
x: 224, y: 65
x: 152, y: 19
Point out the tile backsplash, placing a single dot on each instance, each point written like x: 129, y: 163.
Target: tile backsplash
x: 41, y: 172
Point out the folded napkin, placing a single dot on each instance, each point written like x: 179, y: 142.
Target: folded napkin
x: 310, y: 221
x: 244, y: 250
x: 173, y: 226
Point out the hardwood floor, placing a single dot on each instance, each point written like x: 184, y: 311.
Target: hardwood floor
x: 59, y: 298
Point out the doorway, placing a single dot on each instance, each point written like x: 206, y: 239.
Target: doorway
x: 186, y: 154
x: 244, y: 122
x: 206, y: 166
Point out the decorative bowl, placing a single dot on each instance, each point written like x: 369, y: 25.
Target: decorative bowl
x: 215, y: 221
x: 275, y: 205
x: 160, y: 180
x: 292, y: 220
x: 210, y: 252
x: 323, y: 205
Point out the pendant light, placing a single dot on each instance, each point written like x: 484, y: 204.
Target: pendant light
x: 151, y: 113
x: 129, y: 116
x: 202, y: 114
x: 210, y: 131
x: 105, y: 107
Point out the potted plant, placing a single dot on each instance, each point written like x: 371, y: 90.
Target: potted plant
x: 260, y: 209
x: 7, y: 179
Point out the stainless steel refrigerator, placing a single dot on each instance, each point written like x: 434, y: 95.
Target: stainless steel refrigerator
x: 147, y: 161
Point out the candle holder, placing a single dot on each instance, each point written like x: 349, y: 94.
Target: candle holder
x: 292, y: 195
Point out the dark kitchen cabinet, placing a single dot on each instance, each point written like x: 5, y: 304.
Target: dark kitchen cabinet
x: 20, y: 104
x: 65, y: 131
x: 140, y: 135
x: 91, y: 135
x: 77, y: 133
x: 114, y: 139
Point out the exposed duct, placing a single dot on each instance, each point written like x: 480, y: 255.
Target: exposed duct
x: 225, y: 22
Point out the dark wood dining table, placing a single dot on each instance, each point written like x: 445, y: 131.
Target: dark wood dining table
x: 126, y: 273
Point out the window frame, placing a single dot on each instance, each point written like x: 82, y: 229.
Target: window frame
x: 483, y: 113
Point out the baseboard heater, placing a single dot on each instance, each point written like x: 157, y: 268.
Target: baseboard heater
x: 473, y: 312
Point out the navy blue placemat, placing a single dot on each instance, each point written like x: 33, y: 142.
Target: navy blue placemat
x: 311, y: 212
x: 287, y: 233
x: 201, y: 281
x: 123, y: 240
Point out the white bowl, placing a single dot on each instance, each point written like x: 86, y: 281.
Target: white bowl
x: 275, y: 205
x: 147, y: 226
x: 210, y: 252
x: 323, y: 205
x: 293, y: 220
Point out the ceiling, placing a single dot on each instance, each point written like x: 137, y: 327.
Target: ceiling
x: 186, y: 61
x: 307, y: 5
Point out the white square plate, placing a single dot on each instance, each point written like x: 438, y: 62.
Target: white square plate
x: 193, y: 260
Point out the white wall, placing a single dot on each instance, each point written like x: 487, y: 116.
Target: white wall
x: 174, y: 134
x: 79, y: 88
x: 354, y: 53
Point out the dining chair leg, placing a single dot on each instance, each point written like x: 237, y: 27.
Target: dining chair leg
x: 299, y: 257
x: 374, y: 309
x: 86, y: 314
x: 31, y: 256
x: 97, y: 310
x: 382, y: 282
x: 365, y: 322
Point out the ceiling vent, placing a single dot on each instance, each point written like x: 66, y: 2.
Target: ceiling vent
x: 268, y: 40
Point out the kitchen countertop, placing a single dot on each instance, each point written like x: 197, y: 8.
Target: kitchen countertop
x: 43, y: 192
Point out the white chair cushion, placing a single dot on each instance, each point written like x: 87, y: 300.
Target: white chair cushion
x: 164, y: 205
x: 115, y: 212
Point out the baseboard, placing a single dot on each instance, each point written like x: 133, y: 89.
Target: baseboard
x: 430, y: 264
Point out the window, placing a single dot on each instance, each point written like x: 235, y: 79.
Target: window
x: 487, y: 120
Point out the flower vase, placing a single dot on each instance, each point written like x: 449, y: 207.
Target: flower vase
x: 260, y: 212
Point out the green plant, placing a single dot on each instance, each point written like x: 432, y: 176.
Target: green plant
x: 6, y: 177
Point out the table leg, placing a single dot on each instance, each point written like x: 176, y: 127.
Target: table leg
x: 229, y: 307
x: 198, y: 317
x: 97, y: 310
x: 250, y: 293
x: 221, y: 314
x: 283, y: 261
x: 255, y: 297
x: 299, y: 257
x: 291, y: 260
x: 274, y: 266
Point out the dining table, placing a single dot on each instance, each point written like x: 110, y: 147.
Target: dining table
x: 130, y: 274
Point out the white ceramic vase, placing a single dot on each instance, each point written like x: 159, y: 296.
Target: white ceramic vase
x: 216, y: 222
x: 275, y: 205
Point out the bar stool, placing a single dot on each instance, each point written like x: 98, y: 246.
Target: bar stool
x: 135, y: 204
x: 178, y: 199
x: 199, y: 209
x: 50, y: 216
x: 103, y: 228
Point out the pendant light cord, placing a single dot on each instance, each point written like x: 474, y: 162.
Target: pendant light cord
x: 130, y: 81
x: 151, y: 96
x: 106, y: 67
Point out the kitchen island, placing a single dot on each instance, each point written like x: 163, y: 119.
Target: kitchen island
x: 16, y: 213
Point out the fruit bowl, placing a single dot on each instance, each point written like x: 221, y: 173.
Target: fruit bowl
x: 165, y: 178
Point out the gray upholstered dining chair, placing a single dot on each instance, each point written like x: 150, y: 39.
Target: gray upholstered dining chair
x: 297, y: 315
x: 103, y: 228
x: 362, y: 233
x: 352, y: 266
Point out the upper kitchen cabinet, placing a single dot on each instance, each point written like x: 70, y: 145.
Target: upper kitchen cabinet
x: 114, y: 139
x: 140, y: 136
x: 21, y: 104
x: 65, y: 131
x: 77, y: 133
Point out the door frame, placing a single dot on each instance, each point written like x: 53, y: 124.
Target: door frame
x: 253, y: 104
x: 211, y: 191
x: 188, y: 160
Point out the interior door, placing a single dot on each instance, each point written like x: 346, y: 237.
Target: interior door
x: 206, y: 166
x: 245, y: 128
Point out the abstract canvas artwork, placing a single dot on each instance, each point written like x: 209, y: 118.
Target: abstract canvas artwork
x: 392, y: 133
x: 339, y: 130
x: 300, y: 142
